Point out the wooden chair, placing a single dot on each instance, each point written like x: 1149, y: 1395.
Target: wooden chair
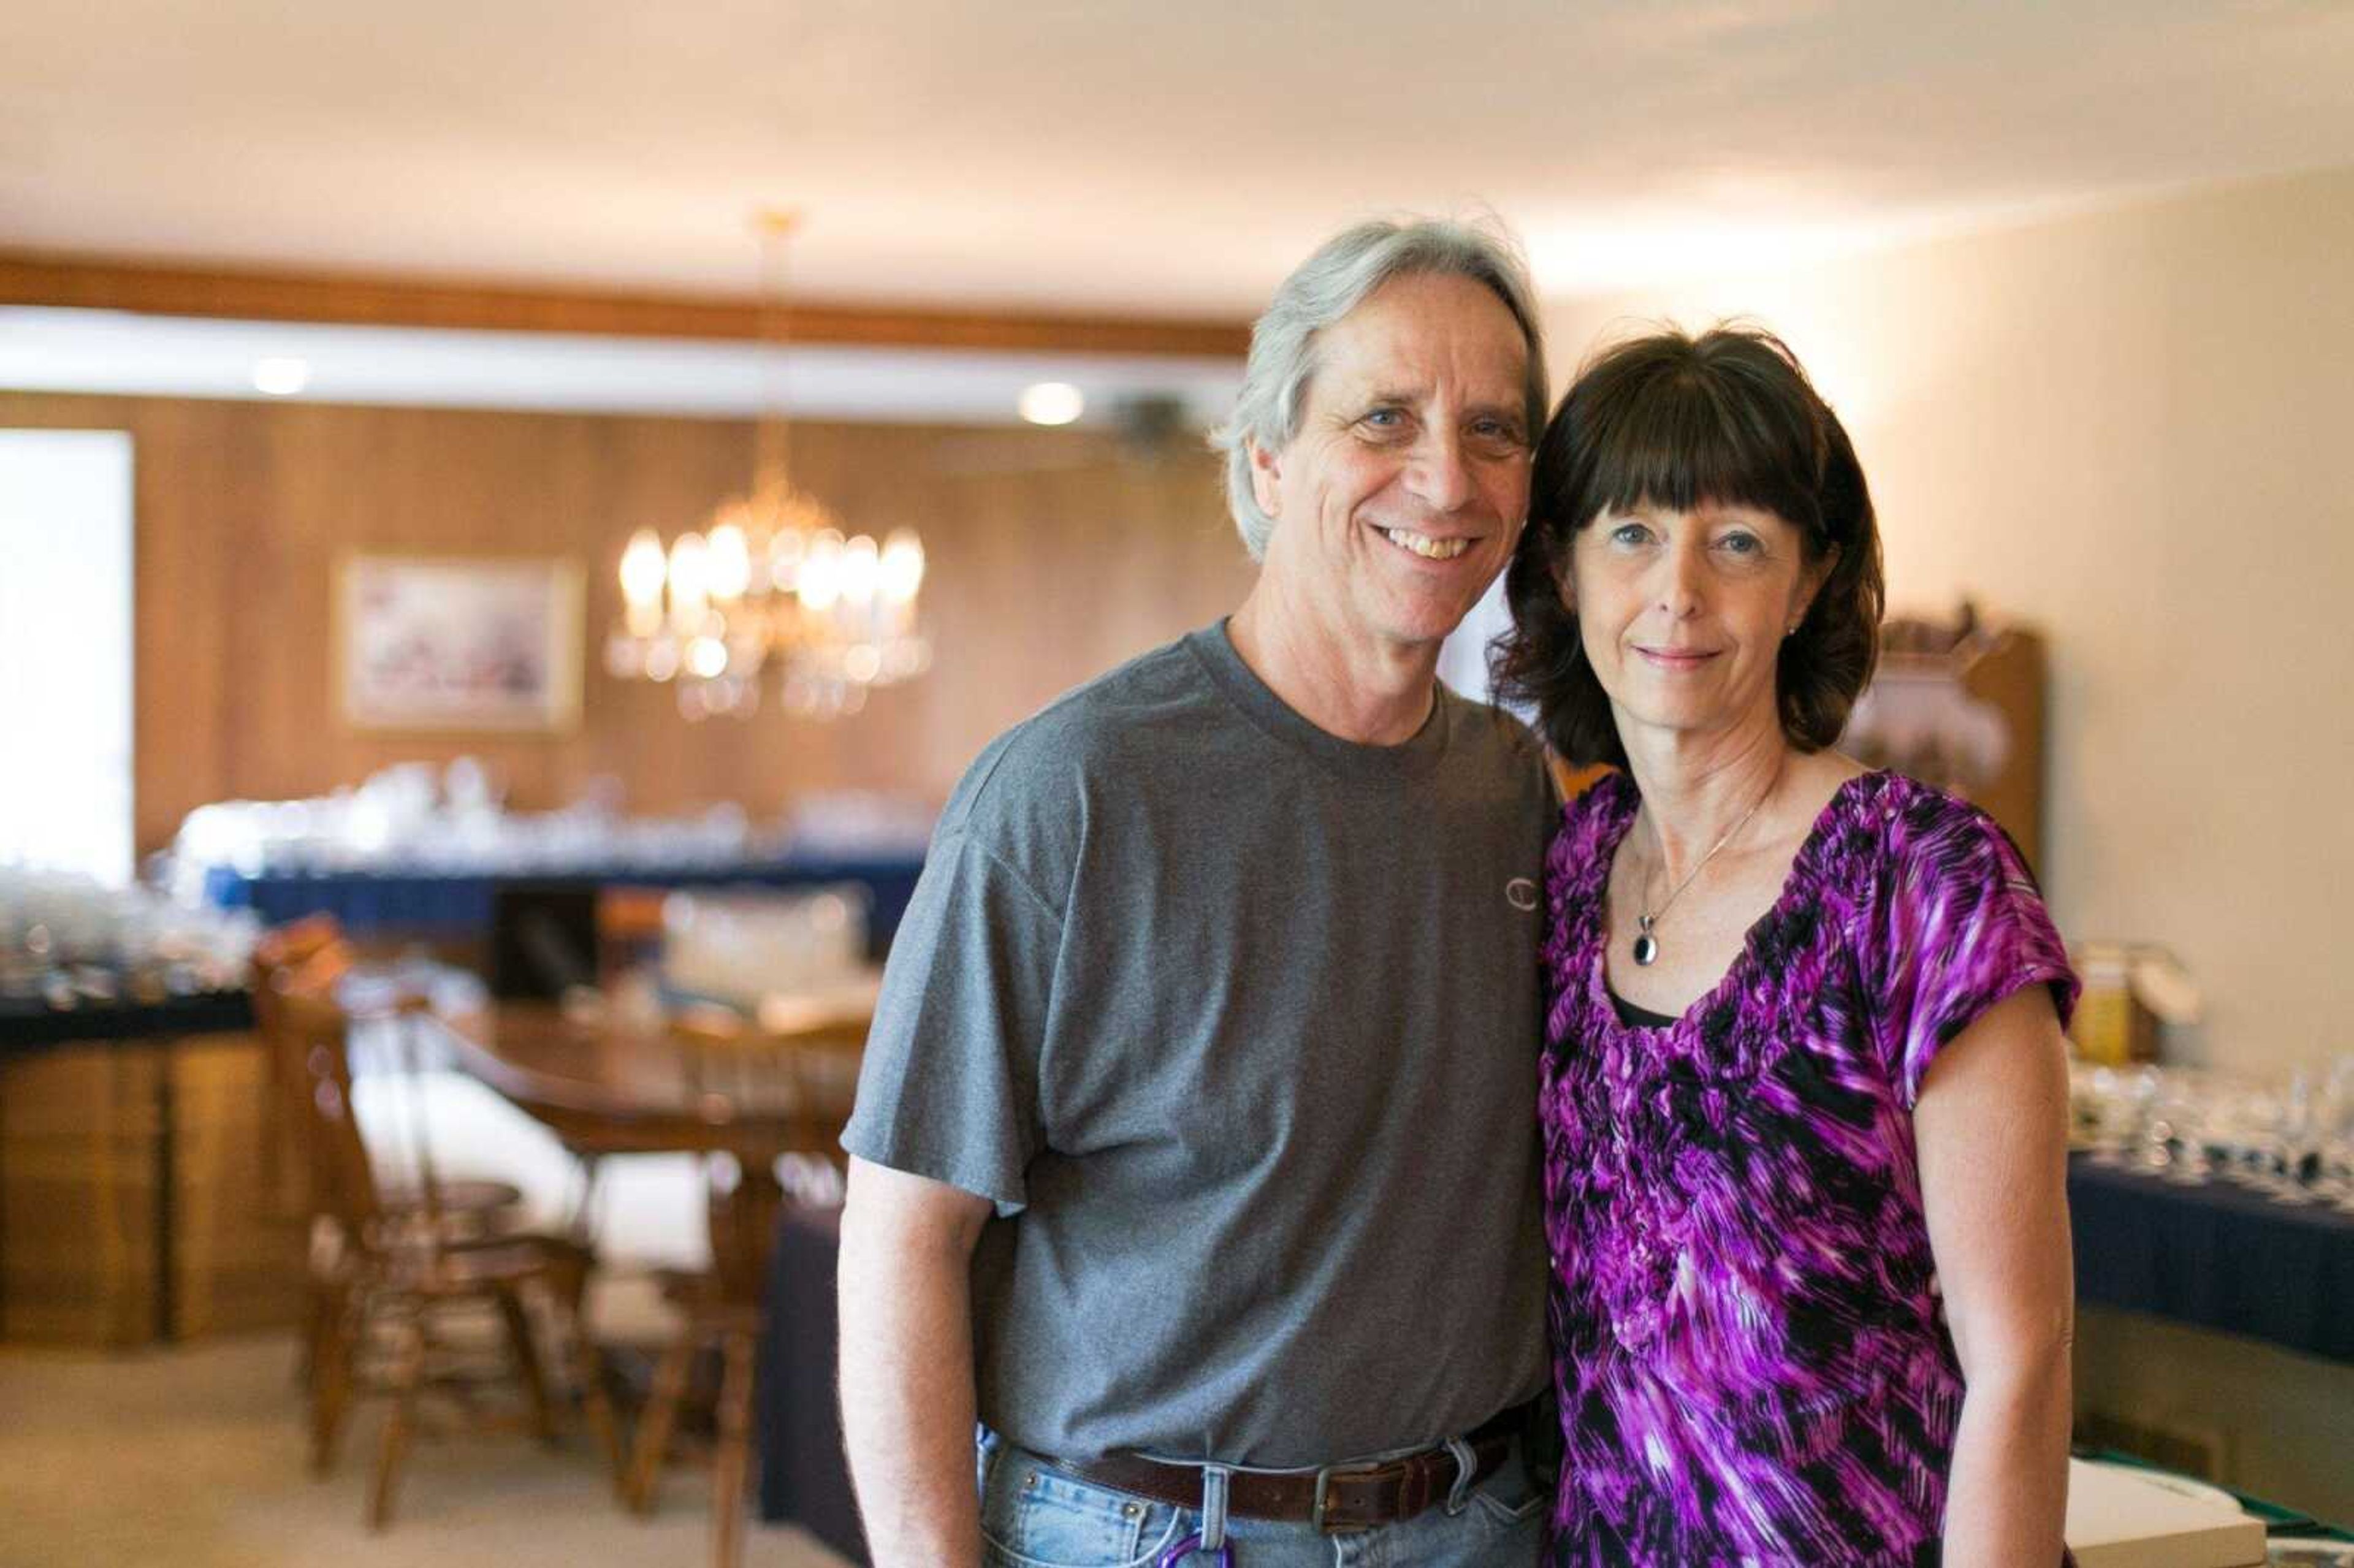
x: 729, y: 1061
x: 311, y: 955
x: 389, y: 1282
x: 278, y: 952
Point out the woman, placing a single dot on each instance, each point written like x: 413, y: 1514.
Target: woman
x: 1804, y: 1092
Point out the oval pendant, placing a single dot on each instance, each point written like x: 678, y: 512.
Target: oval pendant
x: 1647, y: 947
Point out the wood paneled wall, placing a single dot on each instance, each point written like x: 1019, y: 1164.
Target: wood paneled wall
x: 343, y: 298
x: 1054, y: 555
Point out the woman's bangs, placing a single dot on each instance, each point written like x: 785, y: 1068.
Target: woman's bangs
x: 1672, y: 445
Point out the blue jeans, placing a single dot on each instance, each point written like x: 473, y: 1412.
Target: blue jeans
x: 1035, y: 1515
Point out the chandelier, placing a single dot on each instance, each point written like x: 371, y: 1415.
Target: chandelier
x: 772, y: 581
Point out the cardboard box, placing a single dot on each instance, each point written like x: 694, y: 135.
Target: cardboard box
x: 2120, y: 1516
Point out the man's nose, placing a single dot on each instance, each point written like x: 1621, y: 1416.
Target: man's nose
x: 1440, y: 473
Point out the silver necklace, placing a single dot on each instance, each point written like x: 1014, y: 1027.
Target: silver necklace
x: 1647, y: 943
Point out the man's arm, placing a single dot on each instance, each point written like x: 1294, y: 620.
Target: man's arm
x: 907, y: 1365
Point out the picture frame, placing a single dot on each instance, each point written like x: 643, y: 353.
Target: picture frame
x: 475, y: 643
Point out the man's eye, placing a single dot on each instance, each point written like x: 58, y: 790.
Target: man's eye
x: 1385, y: 418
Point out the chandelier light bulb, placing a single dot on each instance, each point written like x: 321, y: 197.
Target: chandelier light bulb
x: 902, y: 567
x: 727, y: 563
x: 860, y: 561
x: 706, y: 658
x: 785, y: 552
x: 643, y: 566
x: 820, y: 583
x: 690, y: 582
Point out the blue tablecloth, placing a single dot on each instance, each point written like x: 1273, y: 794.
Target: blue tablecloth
x: 2216, y: 1255
x: 804, y: 1479
x: 459, y: 907
x: 28, y: 1025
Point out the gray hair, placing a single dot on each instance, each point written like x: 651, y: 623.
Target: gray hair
x: 1330, y: 283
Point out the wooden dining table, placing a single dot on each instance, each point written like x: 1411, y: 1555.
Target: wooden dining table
x: 611, y: 1080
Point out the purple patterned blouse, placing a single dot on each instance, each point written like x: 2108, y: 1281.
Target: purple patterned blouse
x: 1752, y: 1362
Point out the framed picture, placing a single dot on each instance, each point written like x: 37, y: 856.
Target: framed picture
x: 427, y: 643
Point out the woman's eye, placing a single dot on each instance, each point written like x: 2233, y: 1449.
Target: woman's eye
x: 1741, y: 544
x: 1629, y: 534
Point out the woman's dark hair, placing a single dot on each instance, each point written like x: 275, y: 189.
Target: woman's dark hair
x: 1670, y: 420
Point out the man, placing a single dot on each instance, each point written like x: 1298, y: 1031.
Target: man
x: 1195, y: 1152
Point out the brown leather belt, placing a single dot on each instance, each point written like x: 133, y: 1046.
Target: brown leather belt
x: 1337, y: 1500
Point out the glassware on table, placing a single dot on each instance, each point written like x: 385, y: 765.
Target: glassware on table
x: 2240, y: 1130
x: 2292, y: 1145
x: 2178, y: 1128
x: 2334, y: 1177
x: 72, y: 941
x: 2122, y: 1103
x: 2113, y: 1115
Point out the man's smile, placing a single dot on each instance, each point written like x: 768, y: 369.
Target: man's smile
x: 1424, y: 546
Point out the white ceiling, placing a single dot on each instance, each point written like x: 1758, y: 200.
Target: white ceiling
x: 1114, y: 155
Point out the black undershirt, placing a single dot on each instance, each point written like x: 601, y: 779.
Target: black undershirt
x: 1635, y: 1017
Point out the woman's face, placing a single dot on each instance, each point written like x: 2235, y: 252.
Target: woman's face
x: 1682, y: 613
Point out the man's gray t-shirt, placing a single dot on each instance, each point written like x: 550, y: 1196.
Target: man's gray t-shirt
x: 1237, y: 1024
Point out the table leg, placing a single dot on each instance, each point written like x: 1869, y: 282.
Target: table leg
x: 743, y: 1226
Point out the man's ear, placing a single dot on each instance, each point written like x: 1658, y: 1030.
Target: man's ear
x: 1267, y: 477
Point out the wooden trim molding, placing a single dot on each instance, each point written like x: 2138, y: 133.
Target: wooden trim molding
x: 29, y: 277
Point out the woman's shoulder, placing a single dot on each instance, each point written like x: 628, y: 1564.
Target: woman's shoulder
x: 1935, y: 879
x: 1593, y: 820
x: 1957, y: 923
x: 1599, y: 804
x: 1922, y: 831
x: 1886, y: 841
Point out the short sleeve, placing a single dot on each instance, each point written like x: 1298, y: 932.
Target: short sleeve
x: 950, y: 1086
x: 1959, y: 925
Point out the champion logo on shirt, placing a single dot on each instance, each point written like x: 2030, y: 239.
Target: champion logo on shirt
x: 1521, y: 893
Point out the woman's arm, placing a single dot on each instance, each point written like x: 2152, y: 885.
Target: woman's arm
x: 1992, y: 1132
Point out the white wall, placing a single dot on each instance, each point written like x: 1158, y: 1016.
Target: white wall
x: 2135, y: 431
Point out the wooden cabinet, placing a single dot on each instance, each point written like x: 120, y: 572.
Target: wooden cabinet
x: 1960, y: 704
x: 131, y: 1202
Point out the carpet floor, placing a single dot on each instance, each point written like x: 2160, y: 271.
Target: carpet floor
x: 194, y: 1457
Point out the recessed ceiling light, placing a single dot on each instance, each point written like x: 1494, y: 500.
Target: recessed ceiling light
x: 1052, y: 403
x: 281, y: 377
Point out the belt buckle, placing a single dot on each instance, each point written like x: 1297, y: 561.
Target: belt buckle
x: 1323, y: 1499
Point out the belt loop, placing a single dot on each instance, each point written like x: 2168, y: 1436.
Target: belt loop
x: 1467, y: 1463
x: 1214, y: 1480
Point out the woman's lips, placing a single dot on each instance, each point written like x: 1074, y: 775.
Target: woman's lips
x: 1675, y: 661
